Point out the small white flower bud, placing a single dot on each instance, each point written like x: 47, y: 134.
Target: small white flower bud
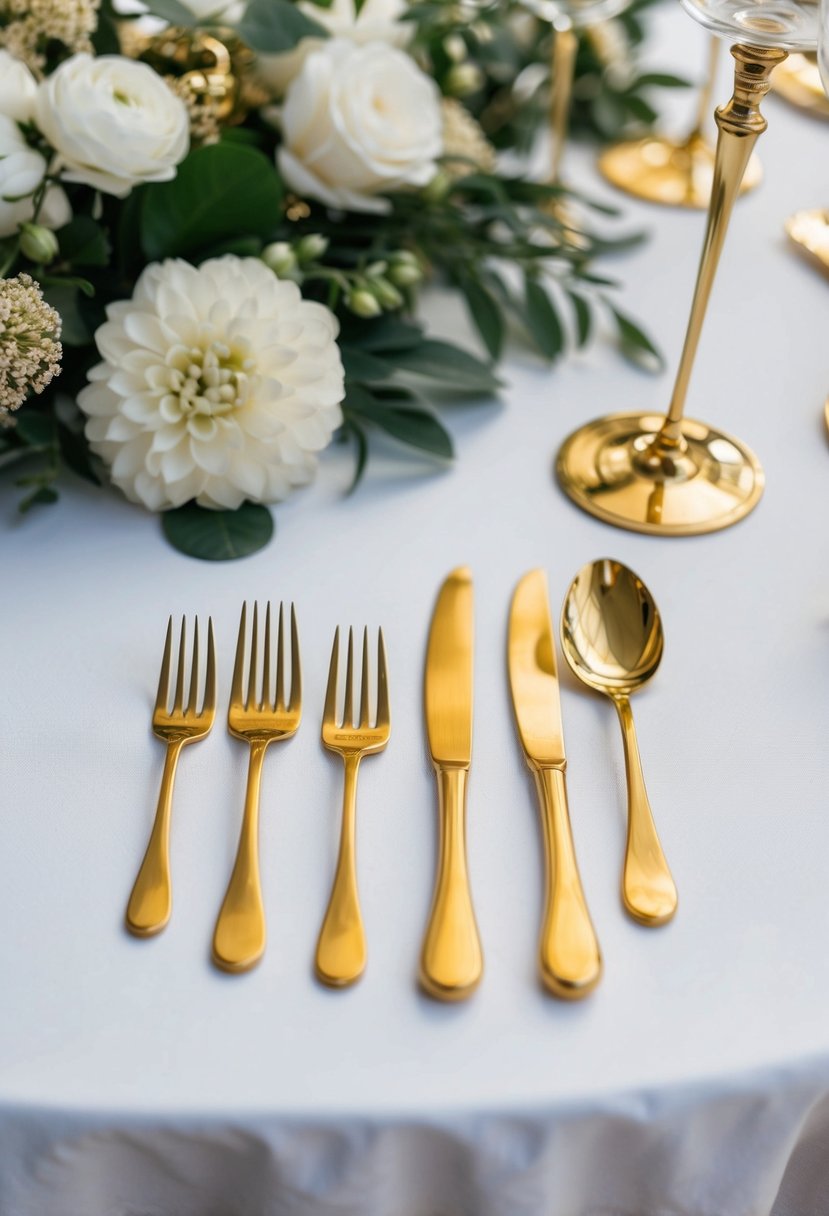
x: 311, y: 247
x: 455, y: 47
x: 363, y: 304
x: 463, y: 79
x: 38, y: 244
x: 386, y: 293
x: 404, y: 269
x: 280, y: 258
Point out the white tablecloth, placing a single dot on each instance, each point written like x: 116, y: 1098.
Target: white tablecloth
x: 134, y: 1078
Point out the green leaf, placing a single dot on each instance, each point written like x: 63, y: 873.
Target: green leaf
x: 75, y: 454
x: 366, y: 367
x: 361, y: 457
x: 83, y: 242
x: 456, y: 369
x: 385, y: 335
x: 660, y: 80
x: 42, y: 496
x: 584, y: 318
x: 173, y: 11
x: 542, y: 319
x: 408, y: 423
x: 220, y: 193
x: 218, y: 536
x: 74, y: 328
x: 486, y: 315
x: 635, y: 345
x: 274, y: 26
x: 35, y: 429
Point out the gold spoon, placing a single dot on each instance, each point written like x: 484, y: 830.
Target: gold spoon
x: 612, y: 638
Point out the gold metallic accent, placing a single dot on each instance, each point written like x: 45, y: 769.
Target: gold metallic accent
x: 569, y: 958
x: 798, y: 82
x: 215, y: 64
x: 562, y: 73
x: 680, y: 477
x: 674, y: 173
x: 341, y: 948
x: 239, y: 937
x: 151, y: 901
x: 451, y: 960
x: 611, y: 634
x: 809, y: 230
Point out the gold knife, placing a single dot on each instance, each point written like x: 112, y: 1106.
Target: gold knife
x: 570, y: 962
x: 451, y: 961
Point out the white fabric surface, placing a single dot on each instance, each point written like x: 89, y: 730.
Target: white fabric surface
x: 136, y: 1079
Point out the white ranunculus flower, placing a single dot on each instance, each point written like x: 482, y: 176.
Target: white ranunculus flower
x: 113, y: 122
x: 219, y: 383
x: 374, y: 21
x: 21, y: 172
x: 359, y: 121
x: 18, y: 88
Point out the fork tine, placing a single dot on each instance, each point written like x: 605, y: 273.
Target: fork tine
x: 164, y: 674
x: 348, y: 703
x: 178, y: 699
x: 236, y: 690
x: 209, y: 704
x: 383, y: 716
x: 296, y: 667
x: 329, y: 713
x: 266, y: 662
x: 250, y: 698
x: 364, y: 682
x: 280, y: 662
x: 193, y: 695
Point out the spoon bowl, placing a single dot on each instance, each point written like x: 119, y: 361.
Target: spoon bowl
x: 612, y: 638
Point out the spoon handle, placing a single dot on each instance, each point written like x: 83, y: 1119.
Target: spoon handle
x: 648, y: 889
x: 570, y: 961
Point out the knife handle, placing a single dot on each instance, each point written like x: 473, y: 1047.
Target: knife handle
x: 569, y: 957
x: 451, y: 961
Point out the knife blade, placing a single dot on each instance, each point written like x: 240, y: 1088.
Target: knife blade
x: 569, y: 958
x: 451, y: 960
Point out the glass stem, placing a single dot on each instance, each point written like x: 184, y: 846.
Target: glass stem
x: 562, y: 71
x: 706, y: 94
x: 739, y: 124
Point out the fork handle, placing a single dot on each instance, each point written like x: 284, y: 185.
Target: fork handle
x: 341, y: 949
x: 239, y: 937
x: 570, y: 961
x: 451, y: 962
x: 151, y: 901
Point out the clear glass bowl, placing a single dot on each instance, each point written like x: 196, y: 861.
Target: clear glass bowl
x: 823, y: 45
x: 791, y: 25
x: 576, y: 13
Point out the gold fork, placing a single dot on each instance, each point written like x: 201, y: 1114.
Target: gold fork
x: 341, y: 949
x: 239, y: 938
x: 151, y: 900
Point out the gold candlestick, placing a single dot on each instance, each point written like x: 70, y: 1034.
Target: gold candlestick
x: 675, y: 173
x: 562, y: 72
x: 672, y: 476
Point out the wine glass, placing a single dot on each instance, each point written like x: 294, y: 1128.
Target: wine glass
x: 674, y: 172
x: 567, y: 19
x: 670, y: 475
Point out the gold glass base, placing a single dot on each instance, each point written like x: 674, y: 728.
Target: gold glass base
x: 661, y: 170
x: 798, y: 82
x: 611, y: 469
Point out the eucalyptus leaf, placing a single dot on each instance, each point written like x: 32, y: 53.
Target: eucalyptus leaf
x: 410, y: 424
x: 173, y: 11
x: 83, y: 242
x: 486, y: 315
x: 542, y: 319
x: 37, y: 430
x: 44, y: 495
x: 454, y: 368
x: 75, y: 330
x: 385, y: 335
x: 217, y: 536
x: 272, y: 27
x: 364, y: 366
x: 635, y: 344
x: 222, y: 192
x: 584, y: 318
x: 361, y: 443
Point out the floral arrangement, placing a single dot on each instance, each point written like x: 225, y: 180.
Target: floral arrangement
x: 214, y: 227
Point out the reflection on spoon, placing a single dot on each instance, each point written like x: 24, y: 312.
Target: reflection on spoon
x: 611, y: 634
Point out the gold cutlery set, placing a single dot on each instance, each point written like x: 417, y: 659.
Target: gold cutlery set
x: 612, y: 639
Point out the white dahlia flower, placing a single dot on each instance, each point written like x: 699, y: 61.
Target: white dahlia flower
x: 372, y: 21
x: 359, y: 121
x: 113, y: 122
x: 219, y: 383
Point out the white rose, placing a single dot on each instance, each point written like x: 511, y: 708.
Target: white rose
x: 359, y: 121
x: 375, y: 21
x: 219, y: 383
x: 113, y: 123
x: 21, y: 173
x: 18, y: 88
